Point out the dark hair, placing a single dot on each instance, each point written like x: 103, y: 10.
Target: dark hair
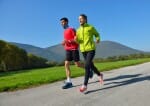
x: 64, y: 18
x: 84, y: 16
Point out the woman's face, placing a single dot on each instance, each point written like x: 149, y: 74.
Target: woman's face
x: 82, y: 20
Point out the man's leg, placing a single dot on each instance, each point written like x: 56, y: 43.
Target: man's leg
x: 99, y: 74
x: 88, y: 61
x: 88, y: 58
x: 79, y: 64
x: 68, y: 72
x: 68, y: 82
x: 95, y: 69
x: 76, y: 58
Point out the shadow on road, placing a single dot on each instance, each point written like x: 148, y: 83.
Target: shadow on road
x: 133, y: 79
x: 110, y: 79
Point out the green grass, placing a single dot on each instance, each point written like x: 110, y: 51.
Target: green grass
x: 28, y: 78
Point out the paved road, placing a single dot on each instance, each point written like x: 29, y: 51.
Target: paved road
x: 129, y: 86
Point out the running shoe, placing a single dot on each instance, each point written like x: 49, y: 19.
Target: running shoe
x: 83, y: 88
x: 67, y: 85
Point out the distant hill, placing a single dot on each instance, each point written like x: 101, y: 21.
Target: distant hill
x: 43, y: 52
x: 57, y: 53
x: 110, y: 48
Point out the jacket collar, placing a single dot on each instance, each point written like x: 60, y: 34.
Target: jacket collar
x: 84, y: 25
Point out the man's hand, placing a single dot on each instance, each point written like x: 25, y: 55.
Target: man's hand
x: 63, y: 42
x: 66, y: 42
x: 97, y: 41
x: 75, y: 38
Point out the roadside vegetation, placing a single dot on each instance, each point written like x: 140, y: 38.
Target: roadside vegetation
x: 33, y: 77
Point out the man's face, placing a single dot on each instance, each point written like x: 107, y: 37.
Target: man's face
x: 82, y: 20
x: 64, y: 23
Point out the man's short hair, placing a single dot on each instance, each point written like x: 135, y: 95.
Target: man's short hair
x: 64, y: 18
x: 84, y: 16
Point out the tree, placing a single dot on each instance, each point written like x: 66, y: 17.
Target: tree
x: 36, y: 62
x: 12, y: 57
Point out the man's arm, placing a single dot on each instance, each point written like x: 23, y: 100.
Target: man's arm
x: 96, y: 34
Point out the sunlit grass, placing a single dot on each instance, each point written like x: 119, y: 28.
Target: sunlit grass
x: 29, y: 78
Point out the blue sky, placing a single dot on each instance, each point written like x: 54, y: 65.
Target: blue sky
x: 36, y: 22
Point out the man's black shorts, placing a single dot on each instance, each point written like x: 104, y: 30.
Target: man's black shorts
x: 72, y: 55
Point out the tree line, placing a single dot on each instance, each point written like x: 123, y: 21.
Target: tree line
x: 14, y: 58
x: 123, y: 57
x: 108, y: 59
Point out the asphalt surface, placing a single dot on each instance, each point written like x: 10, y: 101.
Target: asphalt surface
x: 129, y: 86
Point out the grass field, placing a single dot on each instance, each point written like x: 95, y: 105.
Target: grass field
x: 28, y: 78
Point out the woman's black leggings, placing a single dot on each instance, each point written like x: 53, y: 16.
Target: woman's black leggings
x: 88, y: 58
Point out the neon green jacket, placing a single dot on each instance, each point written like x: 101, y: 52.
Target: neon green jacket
x: 85, y: 37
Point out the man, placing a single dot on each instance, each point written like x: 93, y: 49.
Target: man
x: 85, y: 38
x: 71, y: 48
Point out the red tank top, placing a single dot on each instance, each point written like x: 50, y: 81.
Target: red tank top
x: 69, y: 35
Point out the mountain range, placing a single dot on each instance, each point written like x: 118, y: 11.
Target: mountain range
x: 57, y: 52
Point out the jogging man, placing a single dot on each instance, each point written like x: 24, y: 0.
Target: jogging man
x: 71, y: 48
x: 85, y: 37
